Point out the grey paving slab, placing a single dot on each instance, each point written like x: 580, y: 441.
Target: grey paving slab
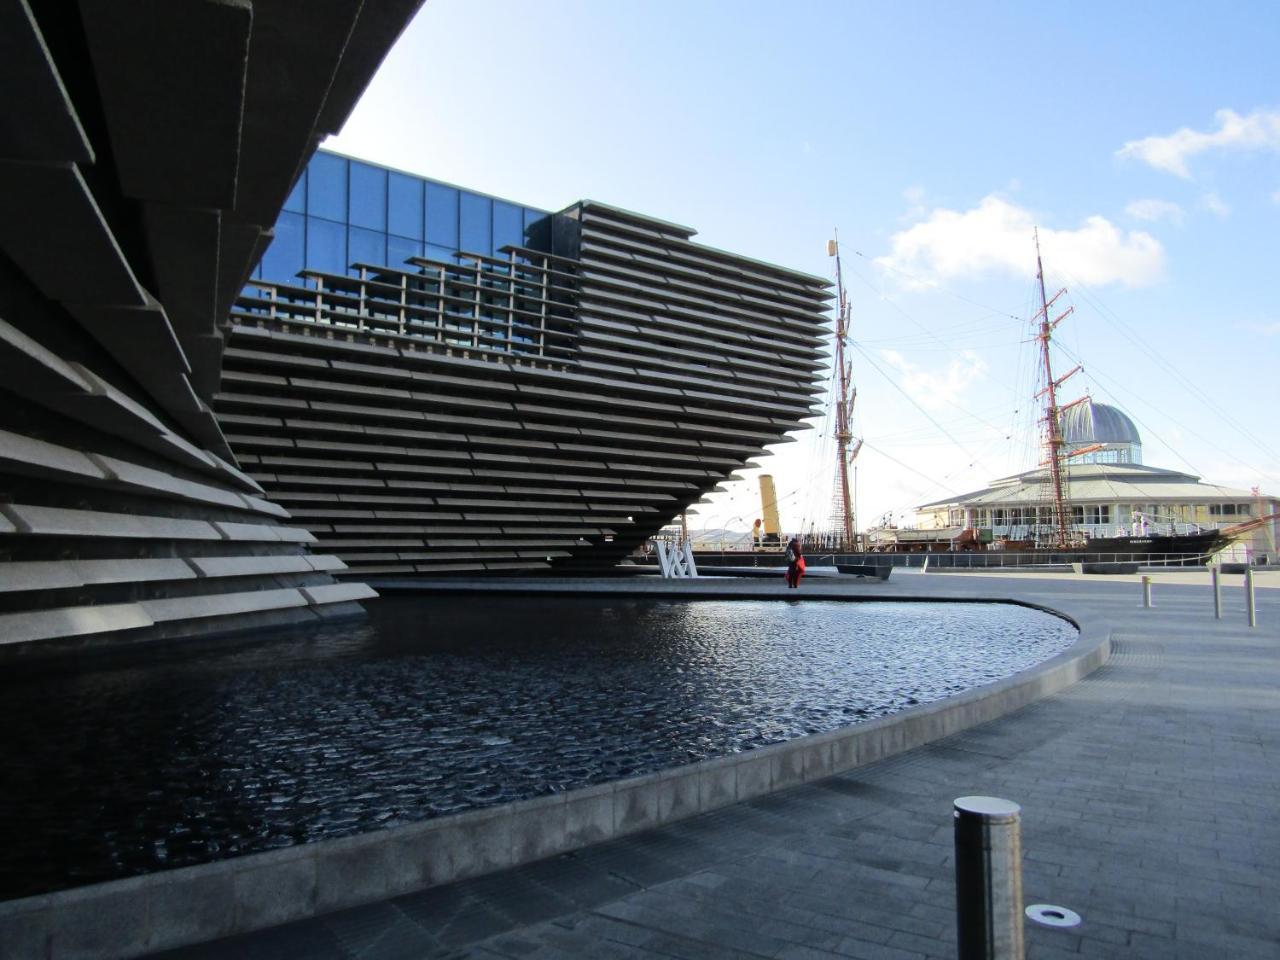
x: 1148, y: 793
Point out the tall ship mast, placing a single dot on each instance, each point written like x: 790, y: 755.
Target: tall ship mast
x: 1061, y: 532
x: 843, y: 519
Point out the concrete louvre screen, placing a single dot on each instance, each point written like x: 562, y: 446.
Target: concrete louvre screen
x: 548, y: 404
x: 126, y: 231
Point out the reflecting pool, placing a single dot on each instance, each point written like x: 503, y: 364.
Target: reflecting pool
x: 150, y: 759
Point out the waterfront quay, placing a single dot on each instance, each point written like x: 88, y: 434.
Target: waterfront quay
x: 1147, y: 792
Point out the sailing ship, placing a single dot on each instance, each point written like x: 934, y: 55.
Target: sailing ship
x: 1055, y: 534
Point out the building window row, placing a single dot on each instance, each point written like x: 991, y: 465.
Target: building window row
x: 524, y: 305
x: 1101, y: 514
x: 1231, y: 510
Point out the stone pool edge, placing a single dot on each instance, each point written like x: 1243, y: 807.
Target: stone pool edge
x: 188, y: 905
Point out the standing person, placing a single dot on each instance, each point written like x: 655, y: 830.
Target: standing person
x: 795, y: 563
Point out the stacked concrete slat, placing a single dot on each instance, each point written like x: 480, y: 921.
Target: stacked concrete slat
x: 145, y: 150
x: 401, y: 427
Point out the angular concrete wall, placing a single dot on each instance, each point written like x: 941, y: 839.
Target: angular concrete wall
x: 145, y: 150
x: 523, y: 413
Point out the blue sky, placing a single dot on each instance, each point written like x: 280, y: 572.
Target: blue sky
x: 1143, y: 139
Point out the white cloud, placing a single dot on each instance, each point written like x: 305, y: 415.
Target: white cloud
x: 1259, y: 130
x: 914, y: 195
x: 997, y: 235
x: 1266, y: 329
x: 1275, y: 198
x: 933, y: 390
x: 1155, y: 210
x: 1215, y: 205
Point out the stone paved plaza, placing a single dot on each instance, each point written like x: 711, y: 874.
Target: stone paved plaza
x: 1149, y: 796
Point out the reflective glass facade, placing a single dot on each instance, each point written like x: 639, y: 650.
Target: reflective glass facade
x: 344, y: 211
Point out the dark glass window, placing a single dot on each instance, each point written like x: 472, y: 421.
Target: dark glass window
x: 367, y: 246
x: 400, y: 249
x: 368, y: 196
x: 508, y: 225
x: 442, y: 216
x: 297, y: 202
x: 475, y: 224
x: 284, y: 257
x: 537, y: 230
x: 326, y: 246
x: 327, y: 187
x: 404, y: 206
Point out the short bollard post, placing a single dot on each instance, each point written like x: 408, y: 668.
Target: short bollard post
x: 988, y: 879
x: 1250, y: 604
x: 1146, y: 593
x: 1217, y: 594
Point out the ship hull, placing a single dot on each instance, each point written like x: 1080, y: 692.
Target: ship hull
x: 1181, y: 550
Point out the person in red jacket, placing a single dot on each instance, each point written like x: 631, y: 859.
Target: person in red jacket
x: 795, y: 562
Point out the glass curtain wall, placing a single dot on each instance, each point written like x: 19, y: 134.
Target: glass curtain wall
x: 344, y: 211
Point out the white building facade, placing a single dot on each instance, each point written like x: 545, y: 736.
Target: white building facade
x: 1110, y: 491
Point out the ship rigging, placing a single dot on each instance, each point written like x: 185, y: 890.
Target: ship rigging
x: 844, y: 516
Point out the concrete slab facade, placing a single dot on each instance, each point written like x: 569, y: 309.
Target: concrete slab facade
x: 145, y: 151
x: 532, y: 391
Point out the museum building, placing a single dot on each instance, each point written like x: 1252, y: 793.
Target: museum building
x: 236, y: 368
x: 432, y: 380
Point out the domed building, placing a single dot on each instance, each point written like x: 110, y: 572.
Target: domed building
x: 1109, y: 434
x: 1110, y: 491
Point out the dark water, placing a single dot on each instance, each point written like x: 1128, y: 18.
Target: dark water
x: 149, y: 760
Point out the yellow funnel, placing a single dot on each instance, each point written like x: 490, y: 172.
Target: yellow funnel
x: 769, y: 505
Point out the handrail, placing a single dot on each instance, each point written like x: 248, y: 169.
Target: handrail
x: 976, y: 560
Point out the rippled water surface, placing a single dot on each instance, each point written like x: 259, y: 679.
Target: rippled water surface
x: 155, y: 759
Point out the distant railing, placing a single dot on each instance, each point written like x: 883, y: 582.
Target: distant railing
x: 945, y: 560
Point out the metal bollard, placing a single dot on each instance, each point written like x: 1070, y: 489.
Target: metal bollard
x: 1250, y: 604
x: 1217, y: 593
x: 988, y: 844
x: 1146, y: 592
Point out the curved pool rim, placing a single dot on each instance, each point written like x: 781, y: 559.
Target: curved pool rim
x: 195, y: 904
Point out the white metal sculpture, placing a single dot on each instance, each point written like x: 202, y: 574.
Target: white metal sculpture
x: 676, y: 559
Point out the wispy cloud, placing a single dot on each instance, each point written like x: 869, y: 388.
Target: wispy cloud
x: 1215, y: 205
x: 996, y: 235
x: 1259, y: 130
x: 933, y: 390
x: 1155, y: 210
x: 1275, y: 198
x: 1271, y: 329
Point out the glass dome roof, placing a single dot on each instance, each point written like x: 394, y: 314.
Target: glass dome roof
x: 1090, y: 422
